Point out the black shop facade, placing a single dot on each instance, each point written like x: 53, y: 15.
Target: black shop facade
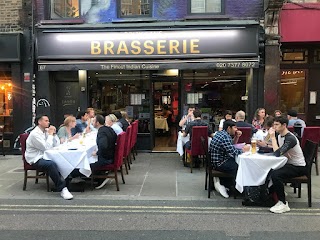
x: 145, y: 72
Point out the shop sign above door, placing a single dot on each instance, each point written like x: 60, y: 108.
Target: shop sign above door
x: 238, y: 42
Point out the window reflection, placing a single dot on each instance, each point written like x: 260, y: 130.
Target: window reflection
x: 65, y: 9
x: 135, y: 7
x: 206, y: 6
x: 292, y: 90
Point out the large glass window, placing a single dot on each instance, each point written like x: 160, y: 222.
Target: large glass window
x: 134, y: 8
x: 65, y: 9
x: 293, y: 90
x: 6, y: 103
x: 206, y: 6
x: 127, y: 91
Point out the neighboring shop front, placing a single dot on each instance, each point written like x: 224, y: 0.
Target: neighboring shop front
x: 10, y: 87
x: 213, y: 68
x: 300, y: 60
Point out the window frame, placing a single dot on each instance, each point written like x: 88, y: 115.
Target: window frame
x: 119, y: 14
x: 222, y: 12
x: 52, y: 10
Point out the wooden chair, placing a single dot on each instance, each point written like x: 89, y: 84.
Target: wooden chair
x: 246, y: 135
x: 117, y: 164
x: 210, y: 171
x: 2, y: 138
x: 312, y: 134
x: 27, y: 167
x: 309, y: 151
x: 196, y: 149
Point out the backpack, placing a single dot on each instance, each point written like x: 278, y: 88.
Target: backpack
x: 258, y: 195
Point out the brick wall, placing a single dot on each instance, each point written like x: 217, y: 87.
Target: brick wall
x: 10, y: 15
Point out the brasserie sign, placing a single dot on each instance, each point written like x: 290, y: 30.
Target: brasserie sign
x: 238, y: 42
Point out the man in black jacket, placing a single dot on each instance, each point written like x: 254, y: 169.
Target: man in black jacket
x: 106, y: 142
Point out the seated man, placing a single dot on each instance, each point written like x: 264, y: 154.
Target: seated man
x: 223, y: 153
x: 106, y: 142
x: 123, y: 123
x: 293, y: 119
x: 197, y: 121
x: 40, y: 139
x: 288, y: 145
x: 83, y: 123
x: 240, y: 117
x: 186, y: 119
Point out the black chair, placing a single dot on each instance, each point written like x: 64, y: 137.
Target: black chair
x: 211, y: 172
x: 309, y: 151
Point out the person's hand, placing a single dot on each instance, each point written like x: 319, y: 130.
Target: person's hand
x: 246, y: 148
x: 238, y: 133
x: 272, y: 133
x: 51, y: 130
x: 77, y: 135
x: 94, y: 153
x: 190, y: 114
x: 261, y: 143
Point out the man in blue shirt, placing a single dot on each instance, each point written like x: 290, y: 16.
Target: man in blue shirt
x: 223, y: 154
x: 82, y: 125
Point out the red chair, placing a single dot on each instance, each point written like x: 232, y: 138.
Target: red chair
x: 196, y: 148
x: 246, y: 135
x: 117, y: 164
x: 291, y: 129
x: 312, y: 134
x: 127, y: 149
x: 134, y: 138
x: 27, y: 167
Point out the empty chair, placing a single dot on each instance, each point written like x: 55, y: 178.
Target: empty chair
x: 27, y: 167
x: 127, y: 150
x: 246, y: 135
x: 116, y: 165
x: 309, y: 151
x: 134, y: 138
x: 196, y: 149
x: 312, y: 134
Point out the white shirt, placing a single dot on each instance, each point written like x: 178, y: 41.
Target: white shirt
x: 117, y: 129
x: 37, y: 142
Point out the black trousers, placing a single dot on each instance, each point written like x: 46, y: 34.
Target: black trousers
x: 278, y: 177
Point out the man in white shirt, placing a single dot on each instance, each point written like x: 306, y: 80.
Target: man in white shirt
x: 40, y: 139
x: 288, y: 145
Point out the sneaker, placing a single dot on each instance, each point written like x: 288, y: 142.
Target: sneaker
x: 221, y: 189
x: 280, y: 207
x: 65, y: 194
x: 102, y: 184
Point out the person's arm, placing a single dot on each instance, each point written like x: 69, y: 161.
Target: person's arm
x: 289, y: 142
x: 237, y: 136
x: 38, y: 142
x: 183, y: 120
x: 221, y: 124
x: 230, y: 148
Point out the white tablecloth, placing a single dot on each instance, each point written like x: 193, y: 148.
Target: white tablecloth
x: 161, y: 123
x: 74, y: 155
x: 254, y: 168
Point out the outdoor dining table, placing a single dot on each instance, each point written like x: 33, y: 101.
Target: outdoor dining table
x: 75, y: 154
x: 181, y: 141
x: 254, y: 168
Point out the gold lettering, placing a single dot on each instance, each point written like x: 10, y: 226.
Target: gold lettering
x: 108, y: 47
x: 193, y: 45
x: 161, y: 46
x: 173, y: 46
x: 149, y: 49
x: 122, y: 48
x: 136, y: 49
x: 184, y: 46
x: 95, y: 47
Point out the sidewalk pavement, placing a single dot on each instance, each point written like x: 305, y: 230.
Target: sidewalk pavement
x: 153, y: 176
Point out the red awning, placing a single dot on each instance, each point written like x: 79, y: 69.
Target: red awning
x: 300, y: 23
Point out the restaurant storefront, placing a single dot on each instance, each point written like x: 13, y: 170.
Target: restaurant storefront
x: 10, y: 87
x: 140, y: 72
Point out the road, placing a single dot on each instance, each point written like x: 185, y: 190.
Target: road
x: 128, y: 219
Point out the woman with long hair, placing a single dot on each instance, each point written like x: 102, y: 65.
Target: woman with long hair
x: 259, y: 117
x: 64, y: 132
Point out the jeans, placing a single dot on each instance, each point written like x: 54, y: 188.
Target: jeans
x: 287, y: 171
x: 53, y: 172
x: 231, y: 167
